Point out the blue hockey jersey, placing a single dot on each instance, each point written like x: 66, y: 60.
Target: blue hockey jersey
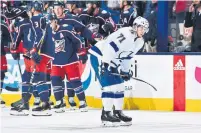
x: 66, y: 46
x: 127, y: 17
x: 100, y: 18
x: 39, y: 23
x: 5, y: 37
x: 26, y: 33
x: 47, y: 47
x: 77, y: 25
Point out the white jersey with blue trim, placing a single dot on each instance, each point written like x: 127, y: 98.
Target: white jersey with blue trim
x: 120, y: 45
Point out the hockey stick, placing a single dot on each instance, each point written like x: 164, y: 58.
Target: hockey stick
x: 137, y: 80
x: 21, y: 101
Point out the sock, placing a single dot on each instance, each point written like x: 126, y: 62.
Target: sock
x: 43, y: 91
x: 27, y: 91
x: 58, y: 93
x: 107, y: 100
x: 36, y: 96
x: 80, y: 93
x: 119, y: 100
x: 70, y: 90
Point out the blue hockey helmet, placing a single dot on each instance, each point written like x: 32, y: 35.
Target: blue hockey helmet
x: 58, y: 3
x: 37, y: 6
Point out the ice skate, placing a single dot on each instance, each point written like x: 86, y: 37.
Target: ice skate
x: 43, y: 110
x: 22, y: 110
x: 17, y: 103
x: 59, y: 107
x: 109, y: 120
x: 125, y: 120
x: 36, y: 102
x: 2, y: 103
x: 51, y: 104
x: 72, y: 105
x: 83, y: 107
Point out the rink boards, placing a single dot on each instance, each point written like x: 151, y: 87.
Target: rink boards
x: 176, y: 77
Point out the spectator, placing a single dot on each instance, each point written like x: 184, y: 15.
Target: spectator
x: 193, y: 18
x: 151, y: 36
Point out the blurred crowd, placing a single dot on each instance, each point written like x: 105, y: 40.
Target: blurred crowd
x: 184, y: 19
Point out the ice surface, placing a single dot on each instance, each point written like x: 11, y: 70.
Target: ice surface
x: 89, y: 122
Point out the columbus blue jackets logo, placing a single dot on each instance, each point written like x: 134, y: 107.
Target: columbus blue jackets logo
x: 59, y: 46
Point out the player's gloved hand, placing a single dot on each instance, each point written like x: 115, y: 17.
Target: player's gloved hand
x: 35, y: 56
x: 108, y: 28
x: 97, y: 36
x: 126, y: 75
x: 82, y: 53
x: 83, y: 58
x: 15, y: 54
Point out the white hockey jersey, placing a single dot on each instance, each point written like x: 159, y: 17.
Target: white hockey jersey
x: 119, y: 47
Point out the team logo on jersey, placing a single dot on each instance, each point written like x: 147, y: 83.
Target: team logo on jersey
x: 59, y: 46
x: 93, y: 27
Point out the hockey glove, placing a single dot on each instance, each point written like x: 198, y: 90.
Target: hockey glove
x: 35, y: 56
x: 15, y: 54
x: 107, y: 69
x: 83, y: 58
x: 126, y: 75
x: 108, y: 28
x: 82, y: 53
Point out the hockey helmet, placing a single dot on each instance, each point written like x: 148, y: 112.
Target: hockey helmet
x: 140, y: 21
x: 37, y: 6
x: 16, y: 12
x: 58, y: 3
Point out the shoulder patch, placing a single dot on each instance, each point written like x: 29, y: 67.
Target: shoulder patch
x: 104, y: 12
x: 126, y: 12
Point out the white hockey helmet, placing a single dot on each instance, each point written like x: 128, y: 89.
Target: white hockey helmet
x: 140, y: 21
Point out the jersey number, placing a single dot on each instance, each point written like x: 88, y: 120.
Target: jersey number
x: 121, y: 38
x: 36, y: 24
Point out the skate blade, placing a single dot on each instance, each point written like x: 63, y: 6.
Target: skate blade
x: 71, y: 109
x: 110, y: 124
x: 84, y: 110
x: 42, y: 113
x: 17, y: 113
x: 61, y: 110
x: 125, y: 123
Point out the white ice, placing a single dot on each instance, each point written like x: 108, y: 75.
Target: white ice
x: 89, y: 122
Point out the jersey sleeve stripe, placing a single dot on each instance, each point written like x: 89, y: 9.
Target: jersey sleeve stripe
x: 95, y: 49
x: 114, y: 46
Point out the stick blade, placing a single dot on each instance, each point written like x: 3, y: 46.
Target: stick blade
x: 8, y: 88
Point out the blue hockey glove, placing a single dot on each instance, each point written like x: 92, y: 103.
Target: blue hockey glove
x: 126, y: 75
x: 35, y: 56
x: 15, y: 54
x: 83, y: 58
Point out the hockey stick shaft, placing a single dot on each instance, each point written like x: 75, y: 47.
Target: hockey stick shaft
x: 137, y: 80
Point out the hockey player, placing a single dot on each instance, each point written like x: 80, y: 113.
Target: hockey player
x: 5, y: 42
x: 39, y: 23
x: 94, y: 15
x: 67, y: 19
x: 35, y: 64
x: 66, y: 63
x: 106, y: 57
x: 128, y: 13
